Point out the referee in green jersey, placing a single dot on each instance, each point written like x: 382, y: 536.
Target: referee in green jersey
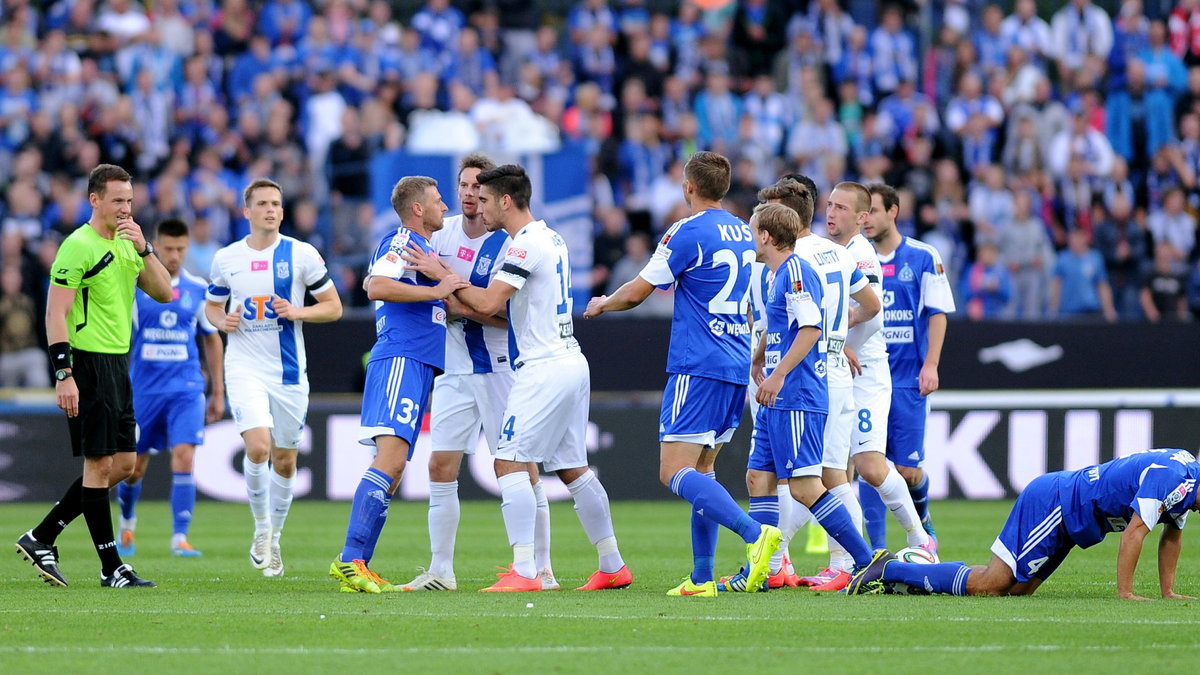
x: 88, y: 325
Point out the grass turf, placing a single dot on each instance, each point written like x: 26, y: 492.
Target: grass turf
x: 217, y: 614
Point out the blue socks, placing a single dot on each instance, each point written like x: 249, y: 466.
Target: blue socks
x: 704, y: 543
x: 711, y: 499
x: 920, y: 497
x: 765, y: 510
x: 370, y: 500
x: 183, y: 500
x: 874, y: 514
x: 127, y: 497
x: 939, y: 578
x: 833, y: 516
x: 368, y: 551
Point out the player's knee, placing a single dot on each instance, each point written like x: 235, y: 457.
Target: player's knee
x: 807, y: 489
x: 911, y: 475
x: 444, y: 466
x: 759, y: 483
x: 995, y: 579
x: 871, y: 470
x: 182, y: 458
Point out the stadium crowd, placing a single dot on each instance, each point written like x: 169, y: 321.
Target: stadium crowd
x: 1051, y: 153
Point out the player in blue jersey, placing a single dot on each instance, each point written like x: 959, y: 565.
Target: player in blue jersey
x: 1059, y: 511
x: 168, y: 387
x: 707, y: 257
x: 916, y: 300
x: 410, y: 349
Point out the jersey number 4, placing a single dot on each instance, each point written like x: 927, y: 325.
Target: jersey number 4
x: 722, y: 302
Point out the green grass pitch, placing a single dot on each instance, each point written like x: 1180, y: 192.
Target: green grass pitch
x: 216, y: 614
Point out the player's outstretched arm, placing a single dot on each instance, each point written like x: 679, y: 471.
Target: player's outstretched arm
x: 390, y: 290
x: 1127, y: 557
x: 1169, y: 546
x: 487, y: 301
x: 629, y: 295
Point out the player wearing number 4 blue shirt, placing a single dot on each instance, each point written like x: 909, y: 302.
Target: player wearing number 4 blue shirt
x: 916, y: 300
x: 168, y: 387
x: 1059, y: 511
x: 546, y: 418
x: 410, y: 349
x: 708, y: 258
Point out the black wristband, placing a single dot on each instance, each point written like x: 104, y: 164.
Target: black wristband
x: 60, y: 355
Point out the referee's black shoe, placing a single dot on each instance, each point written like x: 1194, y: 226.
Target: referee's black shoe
x: 125, y: 577
x: 43, y: 557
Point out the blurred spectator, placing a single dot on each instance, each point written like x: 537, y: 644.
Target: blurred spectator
x: 717, y: 111
x: 1122, y: 240
x: 286, y: 21
x: 759, y: 30
x: 1083, y: 36
x: 608, y: 247
x: 990, y: 46
x: 1025, y: 30
x: 1083, y: 143
x: 894, y: 51
x: 637, y: 254
x: 986, y: 284
x: 1164, y: 295
x: 22, y: 361
x: 991, y: 205
x: 1079, y: 287
x: 1139, y: 119
x: 1173, y: 226
x: 1025, y: 248
x: 816, y: 141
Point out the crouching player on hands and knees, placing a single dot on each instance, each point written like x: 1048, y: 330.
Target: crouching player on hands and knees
x: 410, y: 349
x: 1054, y: 514
x: 547, y: 413
x: 708, y: 258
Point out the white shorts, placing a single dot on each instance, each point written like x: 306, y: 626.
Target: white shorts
x: 282, y: 408
x: 547, y: 414
x: 837, y: 428
x: 465, y: 404
x: 873, y: 398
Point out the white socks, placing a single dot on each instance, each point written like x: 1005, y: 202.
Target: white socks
x: 839, y: 558
x: 784, y: 491
x: 256, y: 492
x: 591, y: 505
x: 281, y: 503
x: 444, y: 515
x: 541, y: 529
x: 518, y: 505
x: 894, y: 492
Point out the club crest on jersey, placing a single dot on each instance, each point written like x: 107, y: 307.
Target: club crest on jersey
x: 483, y: 266
x: 168, y: 319
x: 283, y: 269
x: 258, y: 265
x: 465, y: 253
x: 906, y: 274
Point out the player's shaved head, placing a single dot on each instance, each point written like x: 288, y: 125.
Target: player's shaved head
x: 410, y: 190
x: 862, y: 195
x: 779, y: 221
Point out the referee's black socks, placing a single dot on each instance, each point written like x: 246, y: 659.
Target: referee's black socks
x: 98, y: 514
x: 67, y: 509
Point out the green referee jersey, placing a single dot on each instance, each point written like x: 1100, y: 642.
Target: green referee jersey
x: 104, y: 273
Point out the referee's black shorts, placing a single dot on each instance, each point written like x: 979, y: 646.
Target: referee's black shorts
x: 105, y: 424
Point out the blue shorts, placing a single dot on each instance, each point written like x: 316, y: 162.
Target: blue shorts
x: 1034, y: 541
x: 166, y: 420
x: 787, y: 443
x: 906, y: 427
x: 395, y: 397
x: 700, y: 410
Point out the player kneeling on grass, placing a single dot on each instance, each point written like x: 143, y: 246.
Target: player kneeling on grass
x: 1057, y: 512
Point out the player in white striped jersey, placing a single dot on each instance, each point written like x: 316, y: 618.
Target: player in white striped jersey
x: 546, y: 417
x: 842, y: 283
x: 256, y: 296
x: 470, y: 395
x: 844, y: 219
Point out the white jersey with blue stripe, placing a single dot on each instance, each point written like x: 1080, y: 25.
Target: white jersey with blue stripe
x: 707, y: 257
x: 539, y: 314
x: 866, y: 339
x: 248, y: 280
x: 165, y: 358
x: 473, y: 347
x: 839, y: 278
x: 914, y: 288
x: 794, y: 301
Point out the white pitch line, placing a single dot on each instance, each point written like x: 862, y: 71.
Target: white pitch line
x: 564, y: 649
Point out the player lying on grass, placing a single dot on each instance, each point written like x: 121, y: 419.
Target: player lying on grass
x: 1057, y: 512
